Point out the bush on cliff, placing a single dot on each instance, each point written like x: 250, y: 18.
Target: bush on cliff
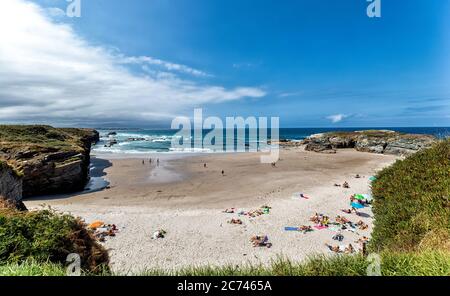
x: 46, y: 236
x: 412, y: 205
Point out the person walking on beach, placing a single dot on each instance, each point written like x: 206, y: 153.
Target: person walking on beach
x: 157, y: 162
x: 223, y: 173
x: 204, y: 165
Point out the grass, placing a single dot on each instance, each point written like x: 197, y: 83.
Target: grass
x: 46, y: 236
x: 393, y: 264
x: 412, y: 205
x: 41, y: 138
x: 31, y: 268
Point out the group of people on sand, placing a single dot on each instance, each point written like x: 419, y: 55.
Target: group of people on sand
x: 320, y: 220
x: 150, y: 161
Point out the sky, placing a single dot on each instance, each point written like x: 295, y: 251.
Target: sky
x: 312, y: 63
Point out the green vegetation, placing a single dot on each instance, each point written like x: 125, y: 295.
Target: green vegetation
x: 368, y: 133
x: 40, y: 138
x: 393, y: 264
x: 30, y: 268
x: 412, y: 205
x: 46, y: 236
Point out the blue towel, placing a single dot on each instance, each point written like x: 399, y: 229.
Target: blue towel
x: 357, y: 205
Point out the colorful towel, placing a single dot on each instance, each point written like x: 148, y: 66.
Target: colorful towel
x: 319, y: 227
x: 357, y: 205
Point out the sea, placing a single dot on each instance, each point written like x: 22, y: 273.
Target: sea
x: 142, y: 140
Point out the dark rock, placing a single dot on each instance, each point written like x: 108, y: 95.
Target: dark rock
x: 380, y: 141
x: 10, y: 188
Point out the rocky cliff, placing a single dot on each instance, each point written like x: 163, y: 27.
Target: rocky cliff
x: 10, y: 187
x: 377, y: 141
x: 51, y: 160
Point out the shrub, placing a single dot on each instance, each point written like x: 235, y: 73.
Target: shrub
x: 412, y: 207
x: 46, y: 236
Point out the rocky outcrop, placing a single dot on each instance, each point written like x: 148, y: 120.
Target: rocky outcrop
x: 382, y: 142
x: 51, y: 160
x: 10, y: 187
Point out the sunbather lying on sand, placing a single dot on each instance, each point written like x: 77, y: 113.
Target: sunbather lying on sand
x: 362, y: 240
x: 229, y: 211
x: 362, y: 225
x: 320, y: 219
x: 342, y: 220
x: 260, y: 241
x: 349, y: 249
x: 235, y: 221
x: 341, y: 249
x: 305, y: 228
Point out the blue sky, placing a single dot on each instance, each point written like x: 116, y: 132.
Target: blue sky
x: 312, y: 63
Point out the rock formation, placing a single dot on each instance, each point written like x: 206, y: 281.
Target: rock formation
x: 382, y: 142
x: 10, y: 187
x: 51, y: 160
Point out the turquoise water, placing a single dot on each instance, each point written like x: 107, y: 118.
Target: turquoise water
x: 135, y: 141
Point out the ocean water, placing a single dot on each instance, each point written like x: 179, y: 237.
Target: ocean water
x: 141, y: 141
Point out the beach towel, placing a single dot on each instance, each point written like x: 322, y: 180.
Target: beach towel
x: 334, y: 228
x: 320, y: 227
x: 96, y: 224
x: 357, y: 205
x: 291, y: 229
x: 359, y: 196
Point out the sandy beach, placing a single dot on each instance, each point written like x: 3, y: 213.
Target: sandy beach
x: 187, y: 200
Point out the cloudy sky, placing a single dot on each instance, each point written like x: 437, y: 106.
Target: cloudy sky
x: 142, y: 62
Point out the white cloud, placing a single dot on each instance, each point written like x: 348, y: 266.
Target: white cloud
x: 144, y: 60
x: 290, y: 94
x: 48, y: 72
x: 337, y: 118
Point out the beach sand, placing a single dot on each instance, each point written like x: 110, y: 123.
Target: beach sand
x: 187, y: 200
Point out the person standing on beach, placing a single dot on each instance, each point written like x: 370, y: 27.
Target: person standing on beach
x: 157, y: 162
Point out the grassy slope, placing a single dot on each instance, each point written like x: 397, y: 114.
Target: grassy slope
x: 40, y: 138
x: 412, y: 206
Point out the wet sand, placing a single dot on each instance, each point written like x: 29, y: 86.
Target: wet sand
x: 187, y: 200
